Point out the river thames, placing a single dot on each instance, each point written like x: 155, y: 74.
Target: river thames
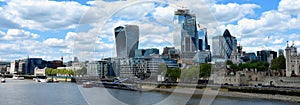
x: 26, y: 92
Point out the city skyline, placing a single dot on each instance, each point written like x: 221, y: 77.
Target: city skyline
x: 46, y: 29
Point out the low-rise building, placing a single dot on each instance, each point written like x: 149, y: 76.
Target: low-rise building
x: 40, y: 72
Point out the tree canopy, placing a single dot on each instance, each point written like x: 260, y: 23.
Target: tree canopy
x: 278, y: 63
x: 196, y: 71
x: 173, y: 73
x: 54, y: 72
x: 260, y: 66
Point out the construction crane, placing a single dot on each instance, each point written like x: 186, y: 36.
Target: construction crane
x: 263, y: 46
x: 241, y: 37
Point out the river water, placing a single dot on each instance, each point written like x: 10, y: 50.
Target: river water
x: 26, y: 92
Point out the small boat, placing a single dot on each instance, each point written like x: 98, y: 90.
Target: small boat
x: 18, y: 78
x: 3, y: 80
x: 40, y: 79
x: 87, y: 84
x: 54, y: 80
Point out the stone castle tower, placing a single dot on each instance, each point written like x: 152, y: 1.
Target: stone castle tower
x: 292, y: 61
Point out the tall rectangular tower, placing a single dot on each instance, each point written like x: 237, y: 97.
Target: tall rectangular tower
x: 187, y: 25
x: 127, y: 40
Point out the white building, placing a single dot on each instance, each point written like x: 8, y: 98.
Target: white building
x: 14, y: 66
x: 93, y: 69
x: 40, y: 72
x: 292, y: 61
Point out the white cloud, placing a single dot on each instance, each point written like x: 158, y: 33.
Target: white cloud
x: 164, y: 15
x: 278, y: 41
x: 289, y: 7
x: 54, y: 42
x: 44, y: 15
x: 17, y: 34
x: 98, y: 38
x: 226, y: 13
x: 270, y: 21
x: 135, y: 11
x: 2, y: 34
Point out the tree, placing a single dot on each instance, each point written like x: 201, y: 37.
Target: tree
x: 162, y: 69
x: 241, y: 66
x: 229, y: 62
x: 173, y: 73
x: 191, y: 73
x: 278, y: 63
x: 65, y: 73
x: 81, y: 71
x: 233, y: 67
x: 205, y: 70
x: 71, y: 73
x: 48, y: 71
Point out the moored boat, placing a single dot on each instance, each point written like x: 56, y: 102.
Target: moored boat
x: 16, y: 77
x: 3, y: 80
x: 87, y: 84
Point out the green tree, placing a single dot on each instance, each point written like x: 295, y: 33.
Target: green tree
x: 82, y: 71
x: 278, y: 63
x: 229, y: 62
x: 71, y: 73
x: 48, y: 71
x: 233, y: 67
x: 162, y: 69
x: 65, y: 73
x: 173, y: 73
x: 191, y: 73
x: 205, y: 70
x: 241, y: 66
x: 54, y: 72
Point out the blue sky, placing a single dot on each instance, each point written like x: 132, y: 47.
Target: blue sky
x: 47, y: 29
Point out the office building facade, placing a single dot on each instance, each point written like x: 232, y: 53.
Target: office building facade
x: 146, y: 52
x: 27, y: 65
x: 224, y: 46
x: 266, y: 55
x: 188, y: 30
x: 127, y: 40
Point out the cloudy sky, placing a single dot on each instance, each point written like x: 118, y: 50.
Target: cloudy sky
x: 51, y: 29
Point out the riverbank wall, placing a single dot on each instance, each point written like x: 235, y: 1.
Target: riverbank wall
x: 223, y: 93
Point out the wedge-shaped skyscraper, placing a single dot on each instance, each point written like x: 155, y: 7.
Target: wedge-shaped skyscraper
x: 127, y: 40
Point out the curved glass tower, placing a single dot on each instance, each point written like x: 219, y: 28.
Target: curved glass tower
x: 223, y: 46
x: 127, y: 40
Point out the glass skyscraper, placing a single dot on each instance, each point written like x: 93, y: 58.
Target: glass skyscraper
x: 127, y: 40
x: 146, y: 52
x: 193, y: 37
x: 202, y: 34
x: 223, y: 46
x: 188, y: 30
